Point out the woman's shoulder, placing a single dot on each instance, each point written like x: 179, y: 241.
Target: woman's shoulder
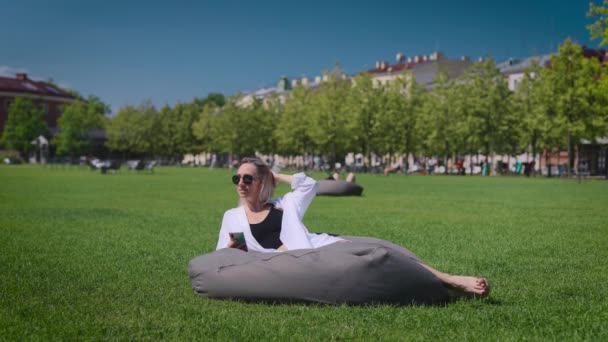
x: 232, y: 212
x: 277, y: 203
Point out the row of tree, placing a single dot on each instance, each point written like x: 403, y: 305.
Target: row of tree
x: 552, y: 107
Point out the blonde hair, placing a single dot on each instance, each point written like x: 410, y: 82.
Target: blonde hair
x: 264, y: 175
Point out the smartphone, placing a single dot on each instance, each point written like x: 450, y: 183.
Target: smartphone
x: 239, y: 241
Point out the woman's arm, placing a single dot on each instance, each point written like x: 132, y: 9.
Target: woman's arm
x: 224, y: 240
x: 304, y: 190
x: 280, y: 178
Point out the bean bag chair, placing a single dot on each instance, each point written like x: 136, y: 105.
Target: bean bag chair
x: 338, y: 188
x: 363, y: 271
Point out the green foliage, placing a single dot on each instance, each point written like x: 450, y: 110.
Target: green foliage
x: 216, y: 99
x: 262, y: 121
x: 364, y: 103
x: 76, y: 121
x: 132, y: 129
x: 441, y: 117
x: 400, y: 115
x: 293, y: 128
x: 599, y: 29
x: 534, y: 105
x: 472, y: 114
x: 175, y: 136
x: 574, y: 80
x: 330, y: 120
x: 25, y: 123
x: 203, y: 128
x: 487, y: 96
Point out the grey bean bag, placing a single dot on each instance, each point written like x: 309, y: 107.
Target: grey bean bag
x: 338, y: 188
x: 364, y: 271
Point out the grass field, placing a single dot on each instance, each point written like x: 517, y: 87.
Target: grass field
x: 104, y: 257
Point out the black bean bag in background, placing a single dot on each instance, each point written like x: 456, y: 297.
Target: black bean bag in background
x: 364, y: 271
x: 338, y: 188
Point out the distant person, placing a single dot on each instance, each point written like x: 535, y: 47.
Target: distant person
x: 396, y: 166
x: 460, y: 167
x: 336, y: 176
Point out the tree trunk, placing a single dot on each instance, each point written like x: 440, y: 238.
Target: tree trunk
x: 559, y: 160
x: 534, y: 153
x: 547, y: 163
x: 570, y: 156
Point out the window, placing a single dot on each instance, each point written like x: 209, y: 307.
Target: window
x: 7, y: 104
x: 45, y: 108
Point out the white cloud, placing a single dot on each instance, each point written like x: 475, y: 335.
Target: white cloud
x: 8, y: 71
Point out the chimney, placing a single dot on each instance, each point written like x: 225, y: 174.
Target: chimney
x: 317, y: 79
x: 377, y: 64
x: 417, y: 59
x: 400, y: 58
x: 464, y: 58
x: 425, y: 58
x: 305, y: 81
x: 409, y: 60
x: 21, y: 76
x: 294, y: 83
x: 436, y: 56
x: 480, y: 59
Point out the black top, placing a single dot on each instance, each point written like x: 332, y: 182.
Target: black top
x: 268, y: 231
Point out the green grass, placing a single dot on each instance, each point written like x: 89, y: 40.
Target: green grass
x: 104, y: 257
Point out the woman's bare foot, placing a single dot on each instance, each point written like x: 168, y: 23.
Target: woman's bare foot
x: 469, y: 286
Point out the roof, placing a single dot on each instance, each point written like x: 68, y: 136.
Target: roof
x: 512, y: 65
x: 392, y: 68
x: 22, y: 84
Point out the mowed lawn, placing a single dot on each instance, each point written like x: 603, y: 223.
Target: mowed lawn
x: 85, y: 256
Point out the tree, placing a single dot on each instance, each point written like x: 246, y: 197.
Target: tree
x: 399, y: 121
x: 599, y: 29
x: 203, y: 128
x: 264, y: 117
x: 574, y: 79
x: 129, y: 131
x: 216, y: 99
x: 75, y: 123
x: 329, y: 116
x: 25, y: 123
x: 292, y: 133
x: 532, y: 105
x: 440, y: 120
x: 487, y: 96
x: 364, y: 103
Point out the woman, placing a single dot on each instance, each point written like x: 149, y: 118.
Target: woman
x: 276, y: 225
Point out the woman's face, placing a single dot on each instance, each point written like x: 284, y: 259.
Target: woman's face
x: 249, y: 192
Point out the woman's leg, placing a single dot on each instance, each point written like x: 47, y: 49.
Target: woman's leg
x: 350, y: 178
x: 463, y: 284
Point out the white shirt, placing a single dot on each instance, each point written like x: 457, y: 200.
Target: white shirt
x: 294, y: 234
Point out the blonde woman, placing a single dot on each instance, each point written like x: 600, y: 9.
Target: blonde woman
x: 271, y: 225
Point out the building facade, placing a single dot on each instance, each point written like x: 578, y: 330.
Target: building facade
x: 45, y: 95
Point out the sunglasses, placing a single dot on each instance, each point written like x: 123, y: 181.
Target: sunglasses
x: 247, y: 179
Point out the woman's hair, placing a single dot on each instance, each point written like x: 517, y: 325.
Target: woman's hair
x: 264, y: 175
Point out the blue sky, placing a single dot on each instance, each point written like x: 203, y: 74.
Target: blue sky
x: 172, y: 51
